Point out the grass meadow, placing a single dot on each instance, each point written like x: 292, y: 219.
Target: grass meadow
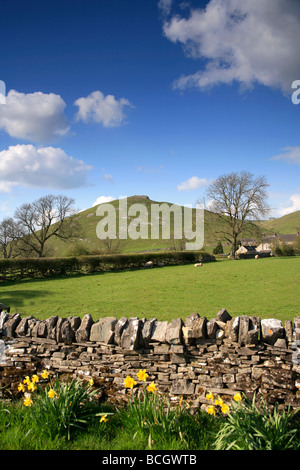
x: 268, y: 288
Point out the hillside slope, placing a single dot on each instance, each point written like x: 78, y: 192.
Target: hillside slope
x: 289, y: 223
x: 89, y: 242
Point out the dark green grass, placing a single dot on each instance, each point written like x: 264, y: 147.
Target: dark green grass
x: 268, y: 288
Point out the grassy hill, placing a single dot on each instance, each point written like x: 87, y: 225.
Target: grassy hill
x: 289, y: 223
x: 89, y: 243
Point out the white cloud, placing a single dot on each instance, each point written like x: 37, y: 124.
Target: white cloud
x: 192, y: 183
x: 165, y: 6
x: 291, y: 206
x: 98, y: 108
x: 108, y: 177
x: 103, y: 199
x: 38, y: 117
x: 45, y: 167
x: 249, y: 41
x: 291, y: 154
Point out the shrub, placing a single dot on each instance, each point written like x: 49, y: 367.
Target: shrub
x: 218, y: 249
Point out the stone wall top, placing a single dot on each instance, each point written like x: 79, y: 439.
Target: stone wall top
x: 137, y: 333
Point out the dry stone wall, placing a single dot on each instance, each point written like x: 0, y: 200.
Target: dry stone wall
x: 187, y: 358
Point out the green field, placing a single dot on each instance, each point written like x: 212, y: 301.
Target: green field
x: 268, y: 288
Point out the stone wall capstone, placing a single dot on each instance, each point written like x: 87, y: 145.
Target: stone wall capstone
x: 188, y: 357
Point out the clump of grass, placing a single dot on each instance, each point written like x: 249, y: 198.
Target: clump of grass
x: 58, y: 408
x: 252, y: 427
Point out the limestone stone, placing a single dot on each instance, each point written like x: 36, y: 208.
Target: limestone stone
x: 223, y: 315
x: 182, y: 387
x: 271, y: 330
x: 159, y: 331
x: 147, y: 330
x: 232, y: 329
x: 174, y: 331
x: 51, y: 326
x: 64, y: 332
x: 212, y: 328
x: 22, y: 327
x: 103, y: 330
x: 132, y: 337
x: 119, y: 328
x: 10, y: 325
x: 82, y: 333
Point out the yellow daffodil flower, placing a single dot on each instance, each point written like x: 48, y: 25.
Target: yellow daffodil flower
x: 21, y: 388
x: 142, y: 375
x: 210, y: 396
x: 219, y: 402
x: 152, y: 388
x: 27, y: 401
x: 31, y: 387
x: 51, y: 393
x: 34, y: 378
x: 91, y: 382
x: 129, y: 382
x: 26, y: 380
x: 103, y: 419
x: 237, y: 397
x: 225, y: 408
x: 211, y: 410
x: 45, y: 374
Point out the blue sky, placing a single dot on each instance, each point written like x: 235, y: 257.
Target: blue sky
x: 110, y: 98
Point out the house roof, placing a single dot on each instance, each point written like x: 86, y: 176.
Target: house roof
x: 280, y: 236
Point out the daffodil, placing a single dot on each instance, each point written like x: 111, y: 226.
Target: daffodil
x: 26, y: 380
x: 211, y: 410
x: 31, y: 387
x: 225, y: 408
x: 51, y: 393
x: 219, y: 402
x: 142, y: 375
x: 21, y: 388
x: 103, y: 419
x: 129, y: 382
x: 210, y: 396
x: 152, y: 388
x: 34, y: 378
x: 91, y: 382
x: 27, y: 401
x: 45, y: 374
x: 237, y: 397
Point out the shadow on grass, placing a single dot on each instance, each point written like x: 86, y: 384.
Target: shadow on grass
x: 19, y: 297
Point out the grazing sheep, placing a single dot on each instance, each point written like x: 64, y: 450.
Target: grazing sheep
x: 197, y: 265
x: 4, y: 307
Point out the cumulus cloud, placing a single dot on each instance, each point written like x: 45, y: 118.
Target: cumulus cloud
x: 103, y: 199
x: 106, y: 110
x: 37, y: 117
x: 291, y: 206
x: 290, y: 154
x: 193, y: 183
x: 45, y: 167
x: 249, y: 41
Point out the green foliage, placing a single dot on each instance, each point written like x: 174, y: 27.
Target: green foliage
x: 218, y: 249
x: 44, y: 267
x: 283, y: 249
x: 150, y: 414
x: 252, y: 427
x: 61, y: 407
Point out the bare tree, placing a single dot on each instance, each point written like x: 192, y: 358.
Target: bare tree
x: 46, y: 217
x: 239, y: 200
x: 9, y: 236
